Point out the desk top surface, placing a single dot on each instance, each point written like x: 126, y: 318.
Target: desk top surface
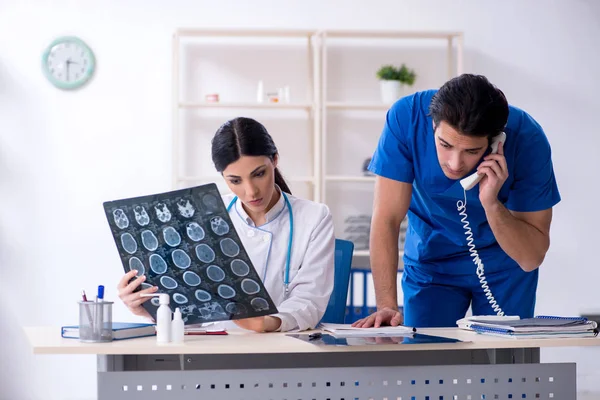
x: 47, y: 340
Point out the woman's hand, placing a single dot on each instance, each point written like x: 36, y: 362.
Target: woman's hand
x: 259, y: 324
x: 132, y: 299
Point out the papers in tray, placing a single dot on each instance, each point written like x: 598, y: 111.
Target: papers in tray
x: 531, y: 328
x: 347, y: 330
x: 202, y: 329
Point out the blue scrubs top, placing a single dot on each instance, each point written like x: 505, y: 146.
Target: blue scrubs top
x: 435, y: 238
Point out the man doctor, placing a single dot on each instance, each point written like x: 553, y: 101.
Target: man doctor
x: 430, y: 141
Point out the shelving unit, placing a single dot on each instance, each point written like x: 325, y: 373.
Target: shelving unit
x: 349, y: 178
x: 248, y: 105
x: 356, y: 106
x: 311, y: 106
x: 321, y: 104
x: 336, y: 104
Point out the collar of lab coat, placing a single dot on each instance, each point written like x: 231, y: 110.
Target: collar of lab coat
x: 272, y: 214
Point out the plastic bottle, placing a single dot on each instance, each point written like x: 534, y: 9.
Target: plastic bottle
x: 163, y: 317
x: 177, y: 327
x: 260, y: 92
x: 286, y: 94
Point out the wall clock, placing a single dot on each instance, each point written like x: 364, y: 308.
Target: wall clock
x: 68, y: 63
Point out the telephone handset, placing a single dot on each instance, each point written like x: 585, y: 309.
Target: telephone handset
x: 470, y: 181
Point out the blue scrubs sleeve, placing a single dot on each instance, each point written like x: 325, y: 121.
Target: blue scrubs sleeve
x: 534, y: 187
x: 393, y: 157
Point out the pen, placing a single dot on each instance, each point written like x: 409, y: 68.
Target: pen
x: 87, y: 309
x: 314, y: 336
x: 99, y: 310
x: 100, y: 295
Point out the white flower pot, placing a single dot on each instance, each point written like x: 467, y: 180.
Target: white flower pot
x: 391, y: 91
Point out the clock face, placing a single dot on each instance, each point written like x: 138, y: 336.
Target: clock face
x: 68, y: 63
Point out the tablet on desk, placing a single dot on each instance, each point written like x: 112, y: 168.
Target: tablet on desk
x: 330, y: 340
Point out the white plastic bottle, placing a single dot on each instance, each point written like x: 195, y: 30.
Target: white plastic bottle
x: 177, y: 327
x: 260, y: 92
x: 163, y: 317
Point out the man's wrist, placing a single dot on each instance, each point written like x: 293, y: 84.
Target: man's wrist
x: 492, y: 206
x: 391, y: 305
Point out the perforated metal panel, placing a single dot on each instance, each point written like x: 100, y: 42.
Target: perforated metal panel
x: 452, y: 382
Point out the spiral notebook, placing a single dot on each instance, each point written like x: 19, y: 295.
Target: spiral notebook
x: 543, y: 326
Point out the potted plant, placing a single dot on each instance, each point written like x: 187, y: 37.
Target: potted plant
x: 394, y: 81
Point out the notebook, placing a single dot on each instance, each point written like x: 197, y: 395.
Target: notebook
x: 542, y: 326
x: 121, y: 330
x: 347, y: 330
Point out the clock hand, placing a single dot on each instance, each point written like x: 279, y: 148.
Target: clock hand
x: 69, y: 62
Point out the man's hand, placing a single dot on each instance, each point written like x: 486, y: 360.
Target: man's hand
x: 259, y: 324
x: 496, y: 172
x: 385, y: 316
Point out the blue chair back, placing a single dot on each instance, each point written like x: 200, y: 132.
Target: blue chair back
x: 336, y: 308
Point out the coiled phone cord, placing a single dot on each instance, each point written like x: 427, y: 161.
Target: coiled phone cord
x: 462, y: 210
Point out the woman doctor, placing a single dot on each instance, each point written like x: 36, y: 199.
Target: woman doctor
x: 289, y: 240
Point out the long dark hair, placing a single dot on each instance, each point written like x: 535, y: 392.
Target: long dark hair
x: 244, y: 137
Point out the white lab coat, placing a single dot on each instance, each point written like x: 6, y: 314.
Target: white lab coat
x: 311, y: 264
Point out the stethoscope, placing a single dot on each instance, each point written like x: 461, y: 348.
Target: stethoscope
x: 286, y: 276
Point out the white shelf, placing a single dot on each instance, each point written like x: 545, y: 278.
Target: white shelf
x: 393, y: 34
x: 198, y: 178
x: 367, y: 253
x: 269, y: 106
x: 349, y: 178
x: 339, y: 105
x: 298, y: 33
x: 306, y: 179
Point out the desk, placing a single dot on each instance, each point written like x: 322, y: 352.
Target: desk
x: 276, y: 366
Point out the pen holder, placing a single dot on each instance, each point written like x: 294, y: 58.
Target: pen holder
x: 95, y: 321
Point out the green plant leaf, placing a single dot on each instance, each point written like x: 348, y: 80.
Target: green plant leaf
x: 387, y: 73
x: 402, y: 74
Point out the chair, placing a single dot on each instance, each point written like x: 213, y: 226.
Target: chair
x: 336, y: 308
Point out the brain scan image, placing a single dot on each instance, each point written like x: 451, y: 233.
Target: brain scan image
x: 184, y: 243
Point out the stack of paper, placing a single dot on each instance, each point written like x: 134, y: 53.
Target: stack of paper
x: 531, y: 328
x: 345, y: 330
x: 205, y: 329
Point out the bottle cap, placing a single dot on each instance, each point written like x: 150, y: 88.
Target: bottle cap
x: 177, y: 314
x: 163, y: 298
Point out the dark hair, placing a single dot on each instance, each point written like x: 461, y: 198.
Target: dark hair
x: 244, y: 137
x: 471, y: 105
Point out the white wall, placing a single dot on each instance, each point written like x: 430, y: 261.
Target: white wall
x: 63, y: 154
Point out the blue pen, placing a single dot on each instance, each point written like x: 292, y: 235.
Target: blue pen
x: 100, y: 295
x: 99, y: 314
